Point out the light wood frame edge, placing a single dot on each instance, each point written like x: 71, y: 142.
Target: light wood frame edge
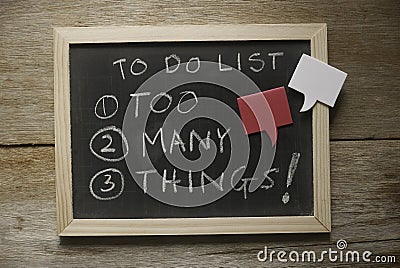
x: 67, y: 226
x: 62, y: 132
x: 321, y: 153
x: 193, y: 226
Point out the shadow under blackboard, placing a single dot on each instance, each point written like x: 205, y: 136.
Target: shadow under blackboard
x: 194, y: 239
x: 337, y: 110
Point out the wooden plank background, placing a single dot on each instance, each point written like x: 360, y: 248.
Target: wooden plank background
x: 363, y: 40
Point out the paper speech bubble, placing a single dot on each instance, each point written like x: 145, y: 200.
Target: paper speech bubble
x: 255, y: 111
x: 318, y: 81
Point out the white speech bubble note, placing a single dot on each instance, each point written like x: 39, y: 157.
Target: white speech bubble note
x: 318, y: 81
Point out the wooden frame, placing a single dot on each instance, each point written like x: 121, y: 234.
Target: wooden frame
x: 68, y: 226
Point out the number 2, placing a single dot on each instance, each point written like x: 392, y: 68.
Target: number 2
x: 107, y: 149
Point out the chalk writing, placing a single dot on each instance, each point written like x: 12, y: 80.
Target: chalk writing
x: 160, y: 103
x: 273, y: 55
x: 101, y: 105
x: 154, y: 101
x: 173, y: 63
x: 270, y: 180
x: 110, y: 177
x: 108, y: 182
x: 292, y: 168
x: 107, y: 148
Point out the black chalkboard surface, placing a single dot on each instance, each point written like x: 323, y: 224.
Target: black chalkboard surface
x: 188, y: 129
x: 102, y: 79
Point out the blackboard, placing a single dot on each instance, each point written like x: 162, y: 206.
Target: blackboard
x: 121, y: 146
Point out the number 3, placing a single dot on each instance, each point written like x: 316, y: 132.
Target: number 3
x: 108, y: 181
x: 100, y: 191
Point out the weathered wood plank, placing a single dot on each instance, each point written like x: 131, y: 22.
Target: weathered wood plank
x: 363, y: 40
x: 365, y: 182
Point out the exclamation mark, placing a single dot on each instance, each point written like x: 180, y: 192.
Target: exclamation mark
x: 290, y: 175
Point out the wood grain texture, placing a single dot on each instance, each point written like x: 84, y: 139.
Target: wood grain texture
x: 363, y: 40
x: 62, y: 129
x: 321, y: 156
x: 365, y: 182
